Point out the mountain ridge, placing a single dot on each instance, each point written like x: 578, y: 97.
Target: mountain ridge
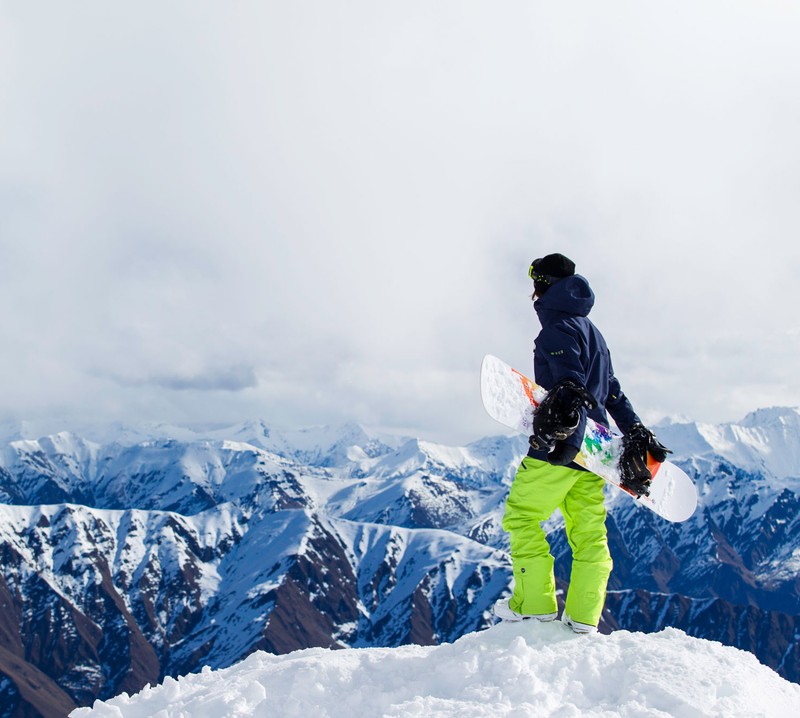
x: 157, y: 557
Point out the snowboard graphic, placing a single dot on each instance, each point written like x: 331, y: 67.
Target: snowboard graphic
x: 510, y: 399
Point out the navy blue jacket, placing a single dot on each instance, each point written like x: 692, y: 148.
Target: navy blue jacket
x: 569, y: 346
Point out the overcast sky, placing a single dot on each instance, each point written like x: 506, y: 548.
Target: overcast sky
x: 314, y: 212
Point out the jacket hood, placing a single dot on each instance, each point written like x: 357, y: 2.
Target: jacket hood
x: 572, y: 295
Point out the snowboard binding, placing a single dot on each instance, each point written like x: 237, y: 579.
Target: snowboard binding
x: 634, y: 473
x: 559, y: 413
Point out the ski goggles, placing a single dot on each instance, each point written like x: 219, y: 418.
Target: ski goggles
x: 537, y: 277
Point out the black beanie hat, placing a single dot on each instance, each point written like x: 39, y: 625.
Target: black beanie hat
x: 556, y: 266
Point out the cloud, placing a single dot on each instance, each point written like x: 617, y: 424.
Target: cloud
x: 342, y: 201
x: 229, y: 379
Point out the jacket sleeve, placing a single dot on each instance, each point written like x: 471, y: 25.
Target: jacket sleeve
x: 618, y: 405
x: 559, y: 353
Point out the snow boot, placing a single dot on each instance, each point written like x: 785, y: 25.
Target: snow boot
x: 576, y: 626
x: 505, y: 613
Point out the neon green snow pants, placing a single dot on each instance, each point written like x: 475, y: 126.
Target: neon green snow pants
x: 537, y: 491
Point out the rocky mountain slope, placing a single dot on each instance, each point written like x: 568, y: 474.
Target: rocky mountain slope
x: 130, y: 554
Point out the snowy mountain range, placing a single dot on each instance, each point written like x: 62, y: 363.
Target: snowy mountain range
x: 134, y: 553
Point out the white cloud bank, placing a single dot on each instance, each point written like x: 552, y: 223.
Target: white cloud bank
x: 336, y: 204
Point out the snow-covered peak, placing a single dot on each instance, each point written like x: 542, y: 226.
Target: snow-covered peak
x: 332, y: 445
x: 766, y: 441
x: 787, y: 417
x: 489, y: 460
x: 123, y: 434
x: 508, y: 670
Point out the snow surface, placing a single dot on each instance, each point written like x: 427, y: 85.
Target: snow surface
x: 524, y: 669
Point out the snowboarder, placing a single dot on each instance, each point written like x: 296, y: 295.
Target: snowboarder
x: 571, y: 361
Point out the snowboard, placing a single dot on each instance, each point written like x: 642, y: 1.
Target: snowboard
x: 510, y: 398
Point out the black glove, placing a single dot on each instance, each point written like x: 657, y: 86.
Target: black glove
x: 559, y: 413
x: 562, y: 454
x: 636, y: 444
x: 639, y: 433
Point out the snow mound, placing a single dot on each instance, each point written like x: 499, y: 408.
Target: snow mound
x: 532, y: 669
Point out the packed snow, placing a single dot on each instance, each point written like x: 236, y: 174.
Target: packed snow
x: 523, y: 669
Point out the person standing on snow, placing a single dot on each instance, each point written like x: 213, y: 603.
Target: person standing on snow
x: 571, y: 361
